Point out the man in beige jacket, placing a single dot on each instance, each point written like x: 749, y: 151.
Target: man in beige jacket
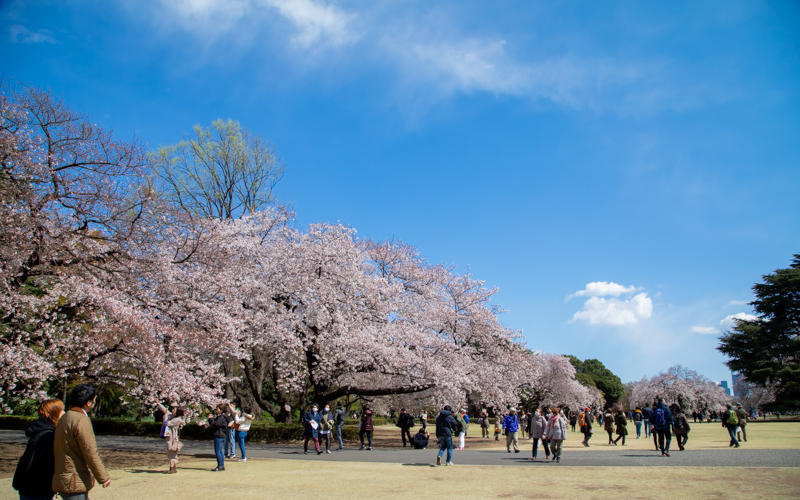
x: 76, y: 450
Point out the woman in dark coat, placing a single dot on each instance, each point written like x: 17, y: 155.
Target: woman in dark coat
x: 366, y: 427
x: 219, y: 424
x: 34, y: 475
x: 622, y: 427
x: 311, y: 422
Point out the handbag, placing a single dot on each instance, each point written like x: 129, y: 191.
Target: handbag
x: 165, y: 432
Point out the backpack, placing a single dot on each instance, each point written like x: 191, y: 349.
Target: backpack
x: 661, y: 419
x: 733, y: 419
x: 582, y: 420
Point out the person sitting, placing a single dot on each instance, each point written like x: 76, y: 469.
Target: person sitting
x: 420, y: 440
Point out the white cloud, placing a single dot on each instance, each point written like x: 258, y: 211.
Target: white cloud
x: 21, y: 34
x: 601, y: 289
x: 615, y: 312
x: 705, y: 330
x: 729, y: 322
x: 737, y: 303
x: 316, y: 21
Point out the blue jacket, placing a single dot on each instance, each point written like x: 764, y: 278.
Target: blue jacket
x: 445, y: 424
x: 667, y: 417
x: 310, y: 431
x: 511, y: 423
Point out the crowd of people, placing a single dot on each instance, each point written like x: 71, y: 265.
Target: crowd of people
x: 61, y: 455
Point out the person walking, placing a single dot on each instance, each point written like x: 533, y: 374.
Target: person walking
x: 637, y: 421
x: 483, y: 421
x: 622, y: 427
x: 366, y: 427
x: 173, y: 422
x: 325, y: 427
x: 556, y: 433
x: 662, y: 423
x: 510, y: 429
x: 33, y: 478
x: 608, y: 425
x: 77, y: 463
x: 680, y: 427
x: 647, y: 412
x: 587, y: 419
x: 538, y: 429
x: 742, y: 416
x: 311, y: 421
x: 339, y: 415
x: 730, y: 420
x: 219, y: 423
x: 243, y: 421
x: 463, y: 426
x: 405, y: 422
x: 573, y: 420
x: 445, y: 425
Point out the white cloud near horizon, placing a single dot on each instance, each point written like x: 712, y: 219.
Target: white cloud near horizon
x: 20, y: 34
x: 705, y: 330
x: 602, y: 289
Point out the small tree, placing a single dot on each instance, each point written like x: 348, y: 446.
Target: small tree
x: 223, y: 172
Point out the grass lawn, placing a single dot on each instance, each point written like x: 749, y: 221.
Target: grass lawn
x: 285, y: 479
x: 705, y: 436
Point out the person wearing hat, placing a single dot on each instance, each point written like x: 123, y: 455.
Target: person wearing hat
x: 741, y: 432
x: 510, y: 429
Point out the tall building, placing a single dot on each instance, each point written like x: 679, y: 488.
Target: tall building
x: 737, y: 379
x: 724, y: 385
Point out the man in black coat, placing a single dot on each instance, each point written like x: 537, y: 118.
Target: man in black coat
x: 405, y: 421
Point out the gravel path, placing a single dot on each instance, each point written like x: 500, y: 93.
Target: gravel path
x: 741, y: 457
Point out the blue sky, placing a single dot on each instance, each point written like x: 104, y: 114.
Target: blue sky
x: 622, y: 172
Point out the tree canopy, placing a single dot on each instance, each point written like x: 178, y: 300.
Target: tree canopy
x: 767, y: 350
x: 593, y: 373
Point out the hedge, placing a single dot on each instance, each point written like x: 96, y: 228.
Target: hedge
x: 259, y: 432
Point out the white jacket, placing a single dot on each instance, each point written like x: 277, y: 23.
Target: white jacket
x: 557, y: 431
x: 244, y: 420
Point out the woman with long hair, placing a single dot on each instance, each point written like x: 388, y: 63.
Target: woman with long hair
x: 34, y: 475
x: 556, y: 433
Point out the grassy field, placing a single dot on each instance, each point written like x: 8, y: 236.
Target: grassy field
x: 283, y: 479
x: 706, y: 436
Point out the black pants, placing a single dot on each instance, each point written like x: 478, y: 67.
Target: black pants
x: 622, y: 437
x: 404, y: 432
x: 610, y: 436
x: 588, y: 436
x: 544, y: 445
x: 681, y: 438
x: 662, y: 436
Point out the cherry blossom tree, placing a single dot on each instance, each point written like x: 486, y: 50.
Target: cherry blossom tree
x: 681, y: 386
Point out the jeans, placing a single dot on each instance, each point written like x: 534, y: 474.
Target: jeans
x: 240, y: 439
x: 230, y: 441
x: 218, y: 444
x: 369, y: 437
x: 446, y: 443
x: 638, y: 429
x: 732, y: 432
x: 662, y: 436
x: 339, y: 436
x: 647, y: 429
